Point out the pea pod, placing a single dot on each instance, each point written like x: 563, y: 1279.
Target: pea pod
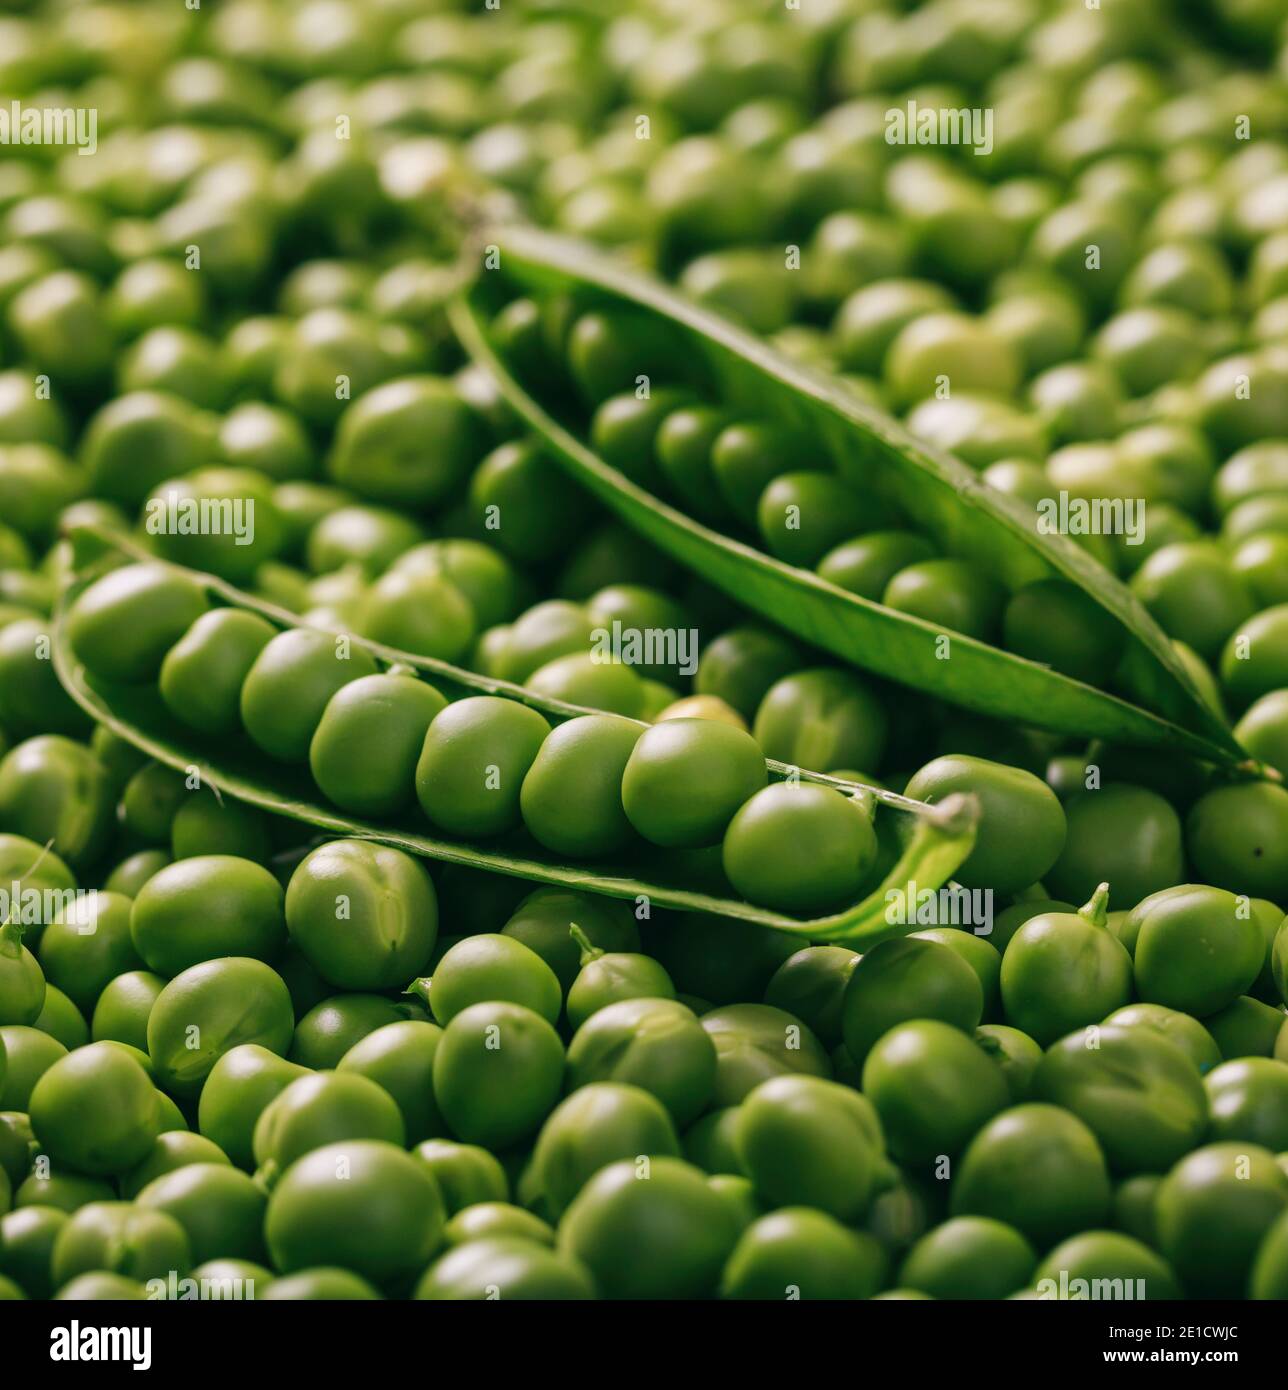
x: 937, y: 841
x: 947, y: 499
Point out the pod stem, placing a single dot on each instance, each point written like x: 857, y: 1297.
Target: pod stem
x: 589, y: 951
x: 11, y: 934
x: 1096, y: 911
x: 419, y: 989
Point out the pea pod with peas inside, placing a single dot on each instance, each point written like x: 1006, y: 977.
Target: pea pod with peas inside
x: 478, y: 772
x: 809, y: 468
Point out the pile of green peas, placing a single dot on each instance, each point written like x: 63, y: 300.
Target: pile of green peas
x: 677, y: 1106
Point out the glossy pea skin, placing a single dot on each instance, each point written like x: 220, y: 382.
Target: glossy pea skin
x: 506, y: 1267
x: 1234, y: 835
x: 465, y: 1173
x: 1246, y: 1028
x: 800, y: 849
x: 741, y: 664
x: 802, y: 516
x: 202, y: 675
x: 682, y: 447
x: 150, y: 801
x: 170, y: 1150
x: 657, y: 1232
x: 900, y: 980
x: 205, y: 824
x: 56, y: 792
x: 119, y: 1238
x: 421, y: 613
x: 241, y: 1084
x: 400, y: 1058
x: 686, y: 778
x: 220, y: 1209
x: 755, y: 1043
x: 362, y: 1205
x: 1095, y: 1256
x: 606, y: 977
x: 1180, y: 1029
x: 492, y: 967
x: 27, y: 1237
x: 1121, y: 834
x: 747, y: 456
x: 22, y: 982
x: 321, y: 1109
x: 543, y: 918
x: 969, y: 1257
x: 62, y: 1019
x: 797, y: 1252
x: 1037, y: 1168
x: 1270, y: 1271
x: 984, y: 959
x: 1194, y: 594
x: 123, y: 625
x: 123, y: 1007
x: 498, y: 1072
x: 1196, y: 951
x: 1139, y: 1094
x: 29, y: 1053
x: 1015, y: 1053
x: 473, y: 762
x: 287, y: 689
x: 1249, y: 1101
x: 1213, y: 1210
x: 319, y: 1284
x: 933, y: 1088
x: 810, y: 984
x: 482, y: 573
x: 656, y: 1044
x: 596, y: 1125
x: 806, y: 1141
x: 624, y: 428
x: 948, y: 594
x: 32, y: 700
x: 334, y: 1024
x: 571, y: 799
x: 229, y: 1001
x: 365, y: 916
x: 197, y: 909
x: 95, y: 1110
x: 821, y: 718
x: 484, y: 1220
x: 1054, y: 623
x: 867, y: 564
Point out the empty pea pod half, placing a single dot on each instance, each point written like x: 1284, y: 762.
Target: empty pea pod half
x: 782, y: 487
x: 367, y: 742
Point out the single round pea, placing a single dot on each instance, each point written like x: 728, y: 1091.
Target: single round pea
x: 287, y: 689
x: 371, y: 538
x: 475, y: 757
x: 484, y: 1220
x: 786, y: 825
x: 1036, y: 1168
x: 497, y: 1073
x: 969, y: 1257
x: 506, y: 1267
x: 29, y: 1053
x: 1249, y: 1100
x: 206, y: 824
x: 119, y: 1238
x: 220, y: 1209
x: 333, y: 1025
x: 1124, y: 835
x: 203, y: 673
x: 365, y: 916
x: 933, y: 1089
x: 218, y: 1004
x: 122, y: 625
x: 56, y: 792
x: 465, y: 1173
x: 686, y: 778
x: 324, y: 1284
x: 543, y: 920
x: 658, y: 1233
x: 905, y: 979
x: 22, y: 981
x: 492, y: 967
x: 608, y: 977
x: 122, y: 1010
x: 821, y: 718
x: 1246, y: 1028
x: 1180, y: 1029
x: 810, y: 985
x: 32, y: 701
x: 1270, y: 1270
x: 755, y: 1043
x: 1105, y: 1259
x: 60, y: 1018
x: 741, y: 664
x: 596, y: 1125
x: 95, y: 1110
x: 400, y: 1058
x: 1056, y: 624
x: 420, y: 613
x: 798, y: 1252
x: 1233, y: 834
x: 27, y: 1238
x: 150, y: 802
x: 170, y: 1150
x: 197, y: 909
x: 656, y: 1044
x: 242, y: 1082
x: 571, y: 798
x: 948, y: 594
x: 321, y: 1109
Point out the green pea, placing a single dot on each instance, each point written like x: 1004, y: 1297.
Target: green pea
x: 419, y: 613
x: 525, y: 505
x: 821, y: 718
x: 1194, y: 594
x: 547, y: 630
x: 571, y: 798
x: 170, y: 1150
x: 203, y: 673
x: 61, y: 1019
x: 1038, y: 1169
x: 324, y: 1108
x: 22, y: 981
x: 400, y: 1058
x: 32, y: 701
x: 746, y: 457
x: 810, y: 984
x: 682, y: 446
x: 370, y: 537
x: 122, y: 1010
x: 95, y: 1109
x: 497, y: 1073
x: 1178, y: 1028
x: 240, y: 1085
x: 321, y: 1284
x: 335, y: 1024
x: 484, y: 575
x: 287, y: 689
x: 683, y: 1230
x: 606, y: 978
x: 1213, y: 1210
x: 150, y: 801
x: 1270, y: 1271
x: 27, y: 1238
x: 801, y: 1253
x: 220, y: 1209
x: 88, y: 946
x: 656, y: 1044
x: 122, y: 625
x: 543, y: 919
x: 1246, y: 1028
x: 754, y: 1043
x: 488, y: 967
x: 969, y: 1257
x: 471, y: 769
x: 1231, y: 833
x: 119, y: 1238
x: 905, y: 979
x: 486, y: 1220
x: 206, y: 825
x: 685, y: 778
x: 465, y: 1173
x: 1104, y: 1259
x: 1121, y: 834
x: 217, y: 1005
x: 1249, y: 1100
x: 504, y: 1266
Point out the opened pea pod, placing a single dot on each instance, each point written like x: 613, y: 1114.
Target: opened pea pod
x: 786, y: 490
x: 375, y: 744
